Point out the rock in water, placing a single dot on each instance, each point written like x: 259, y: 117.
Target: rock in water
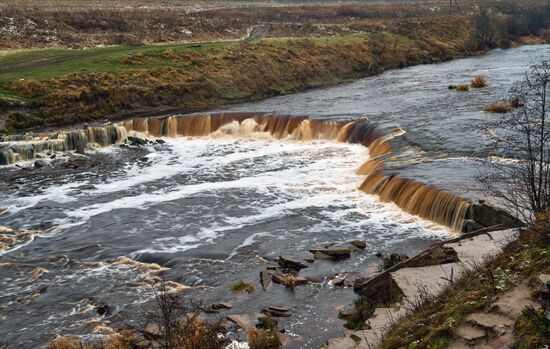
x: 266, y: 321
x: 360, y: 244
x: 265, y: 278
x: 214, y: 307
x: 278, y: 278
x: 276, y: 311
x: 321, y: 255
x: 288, y: 262
x: 337, y: 281
x: 242, y: 320
x: 333, y: 251
x: 40, y: 163
x: 103, y: 309
x: 136, y: 141
x: 301, y: 280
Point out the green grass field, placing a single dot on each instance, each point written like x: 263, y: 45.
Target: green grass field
x: 43, y: 64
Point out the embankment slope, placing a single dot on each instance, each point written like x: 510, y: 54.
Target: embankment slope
x: 60, y: 86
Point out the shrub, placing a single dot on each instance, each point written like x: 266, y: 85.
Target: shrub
x: 485, y: 35
x: 177, y: 323
x: 241, y: 286
x: 290, y: 281
x: 124, y: 339
x: 263, y: 339
x: 173, y: 323
x: 19, y: 121
x: 542, y: 222
x: 532, y: 328
x: 30, y: 88
x: 478, y: 82
x: 463, y: 87
x: 498, y: 107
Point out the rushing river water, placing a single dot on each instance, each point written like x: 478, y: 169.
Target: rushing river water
x: 211, y: 209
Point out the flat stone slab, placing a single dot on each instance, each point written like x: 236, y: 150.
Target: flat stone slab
x: 333, y: 251
x: 289, y: 262
x: 425, y: 282
x: 244, y: 321
x: 470, y: 333
x: 504, y: 237
x: 384, y: 316
x: 502, y: 342
x: 371, y: 338
x: 543, y: 278
x: 276, y: 311
x: 489, y: 320
x: 344, y: 343
x: 475, y: 251
x: 321, y: 255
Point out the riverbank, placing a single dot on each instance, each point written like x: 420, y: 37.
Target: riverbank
x: 485, y: 288
x: 487, y: 306
x: 51, y: 87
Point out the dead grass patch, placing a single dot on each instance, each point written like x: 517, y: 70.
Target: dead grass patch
x: 463, y: 87
x: 532, y: 329
x: 498, y: 107
x: 263, y: 339
x: 65, y: 342
x: 290, y: 281
x: 478, y: 82
x: 241, y: 286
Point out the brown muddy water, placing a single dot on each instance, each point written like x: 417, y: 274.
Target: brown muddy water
x: 212, y: 208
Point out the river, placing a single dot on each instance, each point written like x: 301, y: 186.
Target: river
x: 212, y: 209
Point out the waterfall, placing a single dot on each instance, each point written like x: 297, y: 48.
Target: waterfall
x: 418, y: 199
x: 413, y: 197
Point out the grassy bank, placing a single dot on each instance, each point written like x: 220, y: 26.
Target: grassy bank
x: 434, y: 324
x: 57, y: 86
x: 54, y: 86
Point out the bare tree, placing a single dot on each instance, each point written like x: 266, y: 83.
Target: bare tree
x: 520, y: 179
x: 175, y: 322
x: 485, y: 35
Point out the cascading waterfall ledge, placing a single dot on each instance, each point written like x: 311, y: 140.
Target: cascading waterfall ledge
x: 413, y: 197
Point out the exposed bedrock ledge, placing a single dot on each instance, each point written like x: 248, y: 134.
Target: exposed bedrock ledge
x: 399, y: 289
x: 483, y: 216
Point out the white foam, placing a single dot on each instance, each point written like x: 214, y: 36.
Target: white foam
x: 292, y: 175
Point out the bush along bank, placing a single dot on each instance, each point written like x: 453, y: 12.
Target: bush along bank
x: 54, y: 87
